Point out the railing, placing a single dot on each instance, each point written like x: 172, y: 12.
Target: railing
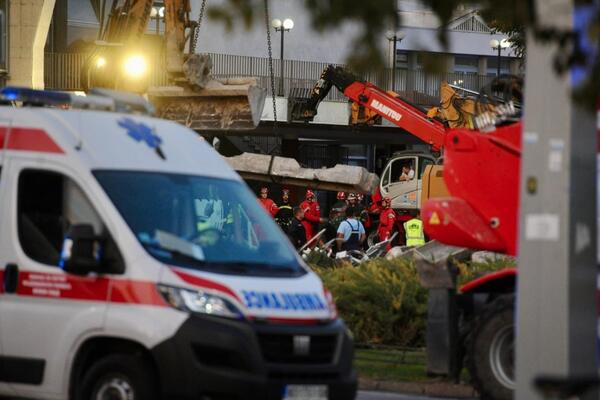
x: 62, y: 71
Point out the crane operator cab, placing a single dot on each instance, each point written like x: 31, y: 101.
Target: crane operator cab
x: 136, y: 264
x: 401, y: 178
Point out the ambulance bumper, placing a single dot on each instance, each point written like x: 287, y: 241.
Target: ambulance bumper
x: 217, y: 358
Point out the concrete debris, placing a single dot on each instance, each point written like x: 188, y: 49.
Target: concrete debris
x: 484, y: 257
x: 287, y: 171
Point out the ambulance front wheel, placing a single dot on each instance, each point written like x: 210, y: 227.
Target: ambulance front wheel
x: 118, y: 377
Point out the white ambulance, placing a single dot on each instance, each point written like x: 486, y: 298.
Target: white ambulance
x: 137, y: 265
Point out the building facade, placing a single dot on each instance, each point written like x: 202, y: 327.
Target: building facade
x: 469, y: 36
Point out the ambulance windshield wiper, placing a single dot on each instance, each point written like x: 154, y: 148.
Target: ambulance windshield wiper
x: 259, y: 267
x: 176, y: 255
x: 179, y: 249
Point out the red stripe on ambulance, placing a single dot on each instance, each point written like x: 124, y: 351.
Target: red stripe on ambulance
x: 206, y: 284
x: 28, y: 139
x: 85, y: 288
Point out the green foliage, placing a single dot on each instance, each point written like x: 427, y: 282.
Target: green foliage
x: 319, y: 257
x: 380, y: 300
x: 391, y: 365
x: 472, y: 270
x: 511, y: 17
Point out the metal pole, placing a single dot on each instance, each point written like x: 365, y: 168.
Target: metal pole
x: 556, y: 290
x: 157, y: 24
x: 499, y: 58
x: 281, y: 66
x: 394, y: 63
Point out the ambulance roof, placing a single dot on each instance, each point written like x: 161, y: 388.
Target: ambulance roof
x: 110, y: 140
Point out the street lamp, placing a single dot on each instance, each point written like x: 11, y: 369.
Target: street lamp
x: 499, y: 45
x: 157, y: 12
x: 395, y: 37
x: 282, y: 26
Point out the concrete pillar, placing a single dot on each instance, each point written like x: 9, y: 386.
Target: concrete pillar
x: 514, y: 66
x: 482, y: 66
x: 29, y: 21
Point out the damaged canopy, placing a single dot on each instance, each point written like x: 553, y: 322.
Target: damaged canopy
x: 287, y: 171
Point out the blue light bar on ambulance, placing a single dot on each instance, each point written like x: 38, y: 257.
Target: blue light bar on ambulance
x: 32, y: 96
x: 102, y: 100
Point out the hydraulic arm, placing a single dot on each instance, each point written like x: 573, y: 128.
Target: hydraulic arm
x: 391, y: 107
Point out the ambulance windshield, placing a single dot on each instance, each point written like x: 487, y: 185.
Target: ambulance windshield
x: 197, y: 222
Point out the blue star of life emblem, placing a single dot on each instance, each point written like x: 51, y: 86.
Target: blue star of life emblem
x: 140, y: 132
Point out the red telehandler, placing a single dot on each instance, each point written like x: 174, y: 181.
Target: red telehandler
x: 473, y: 327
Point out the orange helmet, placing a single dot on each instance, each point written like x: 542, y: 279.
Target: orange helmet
x: 341, y: 195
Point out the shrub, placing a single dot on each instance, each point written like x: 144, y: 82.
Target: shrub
x: 380, y: 300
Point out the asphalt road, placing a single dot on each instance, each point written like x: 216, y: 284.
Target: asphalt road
x: 364, y: 395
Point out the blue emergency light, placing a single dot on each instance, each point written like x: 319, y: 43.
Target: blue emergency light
x: 37, y: 97
x: 98, y: 99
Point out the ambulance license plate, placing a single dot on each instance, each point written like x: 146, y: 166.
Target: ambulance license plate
x: 305, y: 392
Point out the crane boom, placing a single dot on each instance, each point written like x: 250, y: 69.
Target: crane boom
x: 390, y: 106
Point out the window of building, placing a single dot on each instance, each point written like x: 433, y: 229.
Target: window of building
x: 48, y: 205
x: 466, y: 64
x: 401, y: 59
x: 492, y: 66
x: 3, y: 37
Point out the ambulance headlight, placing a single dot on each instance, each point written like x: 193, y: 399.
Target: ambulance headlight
x: 199, y: 302
x: 135, y: 66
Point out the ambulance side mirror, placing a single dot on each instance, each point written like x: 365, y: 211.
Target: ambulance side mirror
x: 80, y: 254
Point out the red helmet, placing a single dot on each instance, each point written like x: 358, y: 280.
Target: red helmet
x: 309, y: 194
x: 386, y: 201
x: 360, y: 196
x: 264, y: 190
x: 341, y: 195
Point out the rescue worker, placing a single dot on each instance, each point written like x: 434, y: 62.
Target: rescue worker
x: 415, y: 236
x: 351, y: 200
x: 351, y: 233
x: 340, y: 204
x: 285, y: 214
x: 312, y: 214
x: 361, y: 211
x: 297, y: 234
x: 337, y: 212
x: 387, y: 219
x: 408, y: 173
x: 268, y: 204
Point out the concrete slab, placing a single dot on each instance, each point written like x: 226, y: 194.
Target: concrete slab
x: 287, y: 171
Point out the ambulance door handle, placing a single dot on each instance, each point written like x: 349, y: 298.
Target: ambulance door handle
x: 11, y: 278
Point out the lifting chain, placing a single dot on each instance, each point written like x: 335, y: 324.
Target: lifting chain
x: 271, y: 74
x: 197, y: 28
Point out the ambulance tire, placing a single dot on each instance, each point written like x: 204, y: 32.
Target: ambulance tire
x: 124, y: 375
x: 490, y: 350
